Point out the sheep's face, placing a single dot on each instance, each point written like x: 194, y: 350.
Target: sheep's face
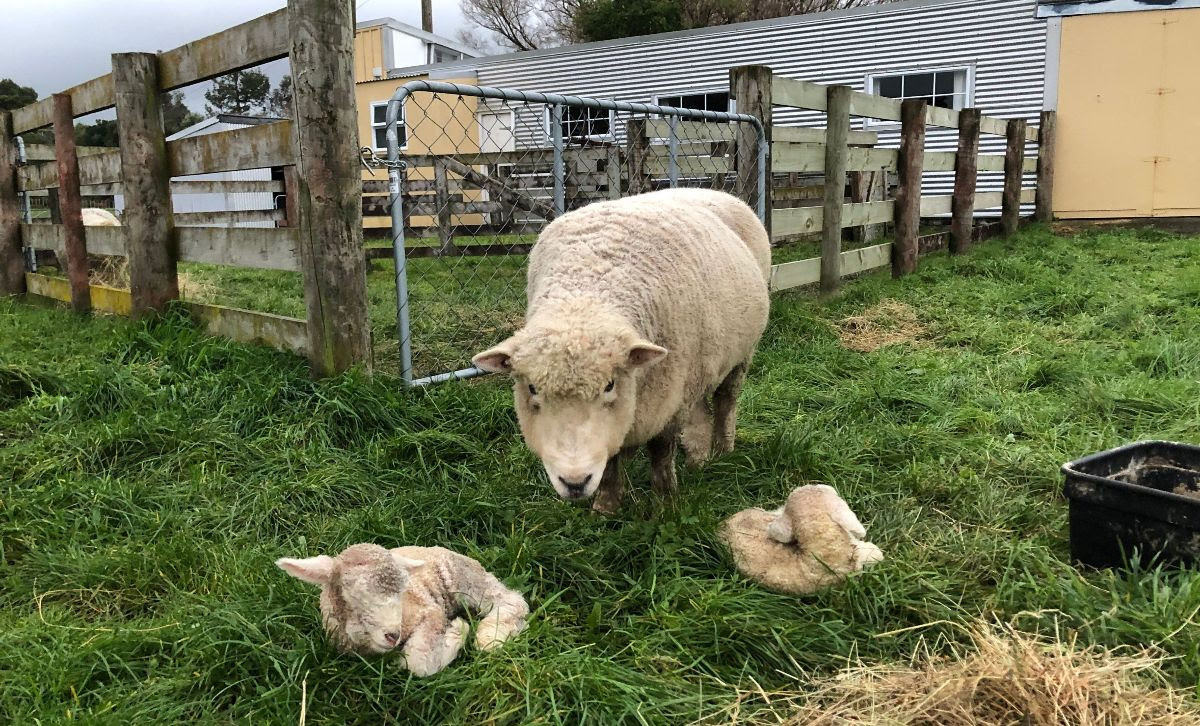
x: 576, y: 397
x: 362, y: 595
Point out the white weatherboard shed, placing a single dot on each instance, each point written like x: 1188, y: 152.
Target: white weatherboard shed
x: 225, y: 201
x: 990, y: 54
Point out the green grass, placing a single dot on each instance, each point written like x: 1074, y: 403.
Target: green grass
x: 150, y: 476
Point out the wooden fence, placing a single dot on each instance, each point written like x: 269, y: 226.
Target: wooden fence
x: 320, y: 232
x: 836, y: 150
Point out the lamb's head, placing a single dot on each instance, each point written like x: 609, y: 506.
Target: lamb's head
x: 361, y: 595
x: 815, y: 510
x: 575, y: 370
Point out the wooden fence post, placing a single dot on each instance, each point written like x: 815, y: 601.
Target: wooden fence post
x: 150, y: 243
x: 329, y: 192
x: 12, y: 263
x: 638, y: 147
x: 1014, y: 163
x: 751, y: 86
x: 909, y: 168
x: 837, y: 132
x: 966, y: 173
x: 70, y: 205
x: 1045, y: 171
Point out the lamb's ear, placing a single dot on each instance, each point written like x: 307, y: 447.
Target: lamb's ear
x: 497, y: 359
x: 317, y: 570
x: 407, y: 562
x: 843, y: 516
x: 644, y: 353
x: 780, y: 529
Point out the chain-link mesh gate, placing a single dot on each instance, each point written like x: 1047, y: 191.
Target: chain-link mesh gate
x: 475, y: 173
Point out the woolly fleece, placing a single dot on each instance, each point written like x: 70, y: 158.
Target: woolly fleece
x: 812, y: 541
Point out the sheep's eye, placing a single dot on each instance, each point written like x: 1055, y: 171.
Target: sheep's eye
x: 611, y: 385
x: 532, y: 390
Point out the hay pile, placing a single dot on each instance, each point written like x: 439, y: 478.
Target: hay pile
x: 889, y: 322
x: 1010, y: 678
x: 114, y: 272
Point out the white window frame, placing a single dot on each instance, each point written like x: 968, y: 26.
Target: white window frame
x: 595, y: 137
x: 731, y: 106
x: 968, y: 69
x: 375, y: 126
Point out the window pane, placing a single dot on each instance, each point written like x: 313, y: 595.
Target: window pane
x: 668, y: 101
x: 888, y: 87
x: 944, y: 83
x: 944, y: 101
x: 693, y: 100
x: 402, y: 134
x: 600, y: 123
x: 918, y: 85
x: 718, y: 102
x: 380, y: 138
x: 379, y: 114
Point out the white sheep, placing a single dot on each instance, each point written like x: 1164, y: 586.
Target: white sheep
x: 812, y: 541
x: 375, y: 600
x: 94, y: 217
x: 638, y: 310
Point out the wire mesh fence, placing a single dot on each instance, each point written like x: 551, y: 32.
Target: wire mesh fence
x: 475, y: 174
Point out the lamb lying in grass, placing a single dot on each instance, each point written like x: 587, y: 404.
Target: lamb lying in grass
x: 375, y: 600
x: 812, y: 541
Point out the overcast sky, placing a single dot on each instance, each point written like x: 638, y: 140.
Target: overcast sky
x: 52, y: 45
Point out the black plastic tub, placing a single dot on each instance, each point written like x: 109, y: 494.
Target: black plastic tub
x: 1143, y: 496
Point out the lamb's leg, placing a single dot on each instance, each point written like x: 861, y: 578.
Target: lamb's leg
x: 610, y: 491
x: 662, y: 461
x: 434, y: 645
x: 725, y: 409
x: 506, y: 619
x: 697, y: 434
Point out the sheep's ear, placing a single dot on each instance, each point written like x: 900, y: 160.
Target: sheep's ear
x: 643, y: 353
x: 317, y: 570
x: 407, y: 562
x: 780, y: 530
x: 498, y: 359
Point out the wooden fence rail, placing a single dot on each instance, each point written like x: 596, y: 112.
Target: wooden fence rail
x: 322, y: 239
x: 835, y: 150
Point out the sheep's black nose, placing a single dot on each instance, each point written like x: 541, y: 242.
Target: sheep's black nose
x: 392, y: 638
x: 575, y: 488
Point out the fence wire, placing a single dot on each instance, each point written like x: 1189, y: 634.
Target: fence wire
x: 474, y: 179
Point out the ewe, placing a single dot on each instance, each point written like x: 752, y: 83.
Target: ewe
x: 812, y: 541
x: 638, y: 310
x: 375, y: 600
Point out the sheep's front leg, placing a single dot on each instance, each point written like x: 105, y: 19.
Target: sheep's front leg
x: 434, y: 645
x: 697, y: 436
x: 611, y: 490
x: 662, y: 461
x: 725, y: 409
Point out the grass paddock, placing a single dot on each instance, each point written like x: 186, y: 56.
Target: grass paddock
x: 152, y: 475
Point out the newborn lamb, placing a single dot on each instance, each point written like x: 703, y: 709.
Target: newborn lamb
x: 812, y: 541
x: 375, y: 600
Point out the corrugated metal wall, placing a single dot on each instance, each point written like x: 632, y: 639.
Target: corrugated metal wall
x: 1001, y: 40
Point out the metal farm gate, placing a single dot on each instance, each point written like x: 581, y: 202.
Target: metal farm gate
x: 475, y: 173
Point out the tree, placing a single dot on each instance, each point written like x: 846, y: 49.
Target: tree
x: 13, y: 95
x: 176, y: 115
x: 530, y: 24
x: 100, y: 133
x: 279, y: 103
x: 522, y: 24
x: 240, y: 92
x: 605, y: 19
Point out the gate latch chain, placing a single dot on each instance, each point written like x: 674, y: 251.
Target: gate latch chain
x: 372, y: 161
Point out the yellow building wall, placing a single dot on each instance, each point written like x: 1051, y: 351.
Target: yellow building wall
x: 436, y: 124
x: 1128, y: 142
x: 368, y: 54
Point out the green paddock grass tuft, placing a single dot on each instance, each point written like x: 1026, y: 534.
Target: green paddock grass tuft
x: 152, y: 475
